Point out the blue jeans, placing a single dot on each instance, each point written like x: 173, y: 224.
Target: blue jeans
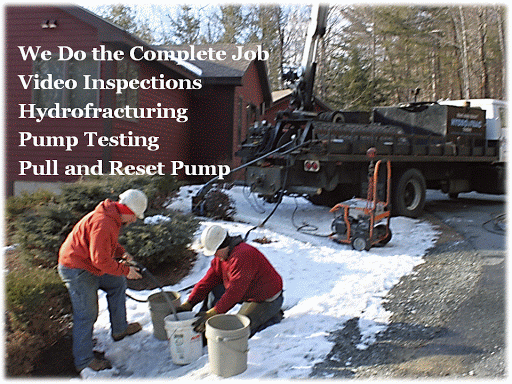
x: 83, y: 290
x: 258, y: 313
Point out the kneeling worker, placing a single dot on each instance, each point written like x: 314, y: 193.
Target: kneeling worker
x: 238, y: 273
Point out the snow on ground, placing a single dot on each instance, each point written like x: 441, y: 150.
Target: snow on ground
x: 325, y: 284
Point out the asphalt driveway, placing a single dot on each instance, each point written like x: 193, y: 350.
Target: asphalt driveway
x: 449, y: 314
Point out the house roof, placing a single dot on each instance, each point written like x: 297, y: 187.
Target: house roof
x: 110, y: 33
x: 227, y: 71
x: 227, y: 68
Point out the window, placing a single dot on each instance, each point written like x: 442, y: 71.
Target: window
x: 71, y: 71
x: 252, y: 114
x: 129, y: 71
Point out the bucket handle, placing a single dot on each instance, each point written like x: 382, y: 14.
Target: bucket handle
x: 227, y: 339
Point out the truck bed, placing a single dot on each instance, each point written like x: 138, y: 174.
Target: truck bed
x: 351, y: 141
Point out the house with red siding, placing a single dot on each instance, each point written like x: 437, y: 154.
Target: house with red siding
x: 234, y: 95
x: 85, y: 97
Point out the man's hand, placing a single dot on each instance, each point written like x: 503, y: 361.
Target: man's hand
x: 185, y: 307
x: 127, y: 258
x: 134, y: 274
x: 200, y: 324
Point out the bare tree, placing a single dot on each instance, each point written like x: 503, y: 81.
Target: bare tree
x: 482, y: 29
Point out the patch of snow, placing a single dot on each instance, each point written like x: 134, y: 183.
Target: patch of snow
x: 325, y: 284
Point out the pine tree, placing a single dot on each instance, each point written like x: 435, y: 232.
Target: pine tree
x: 184, y: 27
x: 351, y: 87
x: 233, y: 21
x: 124, y: 16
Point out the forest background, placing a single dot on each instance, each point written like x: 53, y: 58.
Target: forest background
x: 371, y: 54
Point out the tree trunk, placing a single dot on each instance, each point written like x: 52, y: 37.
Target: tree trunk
x: 465, y: 63
x: 482, y: 31
x: 501, y: 37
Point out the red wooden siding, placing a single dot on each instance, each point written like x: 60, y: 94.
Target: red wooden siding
x: 217, y: 113
x: 23, y: 27
x: 173, y: 136
x: 250, y: 93
x: 212, y: 111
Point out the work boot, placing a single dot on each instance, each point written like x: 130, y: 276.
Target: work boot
x: 99, y: 364
x: 131, y: 329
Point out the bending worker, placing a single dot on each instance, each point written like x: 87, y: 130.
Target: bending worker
x: 90, y: 259
x: 238, y: 273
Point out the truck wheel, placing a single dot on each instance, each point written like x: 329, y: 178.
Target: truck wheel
x: 409, y: 194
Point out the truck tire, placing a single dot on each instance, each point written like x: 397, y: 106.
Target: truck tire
x: 408, y: 194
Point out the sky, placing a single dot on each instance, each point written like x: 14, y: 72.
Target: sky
x: 325, y: 284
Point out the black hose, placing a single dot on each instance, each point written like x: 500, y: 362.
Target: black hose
x: 137, y: 300
x: 146, y: 300
x: 279, y: 200
x: 144, y: 270
x: 208, y: 185
x: 498, y: 224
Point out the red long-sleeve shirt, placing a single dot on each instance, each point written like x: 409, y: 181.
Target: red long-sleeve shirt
x: 247, y: 275
x: 93, y: 243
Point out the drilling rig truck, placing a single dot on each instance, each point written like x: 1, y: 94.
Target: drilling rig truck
x: 452, y: 146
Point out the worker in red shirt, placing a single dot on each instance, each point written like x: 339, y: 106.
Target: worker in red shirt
x: 238, y: 273
x: 90, y: 259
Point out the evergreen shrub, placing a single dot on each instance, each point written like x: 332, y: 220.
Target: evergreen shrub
x: 17, y: 205
x: 84, y: 195
x: 41, y: 230
x: 28, y: 294
x: 37, y: 303
x: 37, y: 315
x: 165, y: 241
x: 219, y: 205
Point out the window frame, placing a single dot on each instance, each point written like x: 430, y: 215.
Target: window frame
x: 65, y: 98
x: 123, y: 99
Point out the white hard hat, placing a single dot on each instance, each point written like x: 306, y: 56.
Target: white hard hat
x: 211, y: 238
x: 135, y: 200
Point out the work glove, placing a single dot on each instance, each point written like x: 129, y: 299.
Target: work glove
x: 200, y: 324
x: 185, y: 307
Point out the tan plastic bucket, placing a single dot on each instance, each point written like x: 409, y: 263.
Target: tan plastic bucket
x: 228, y: 337
x: 186, y: 345
x: 159, y: 308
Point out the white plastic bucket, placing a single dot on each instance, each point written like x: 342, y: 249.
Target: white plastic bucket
x: 159, y: 308
x: 186, y: 345
x: 228, y: 337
